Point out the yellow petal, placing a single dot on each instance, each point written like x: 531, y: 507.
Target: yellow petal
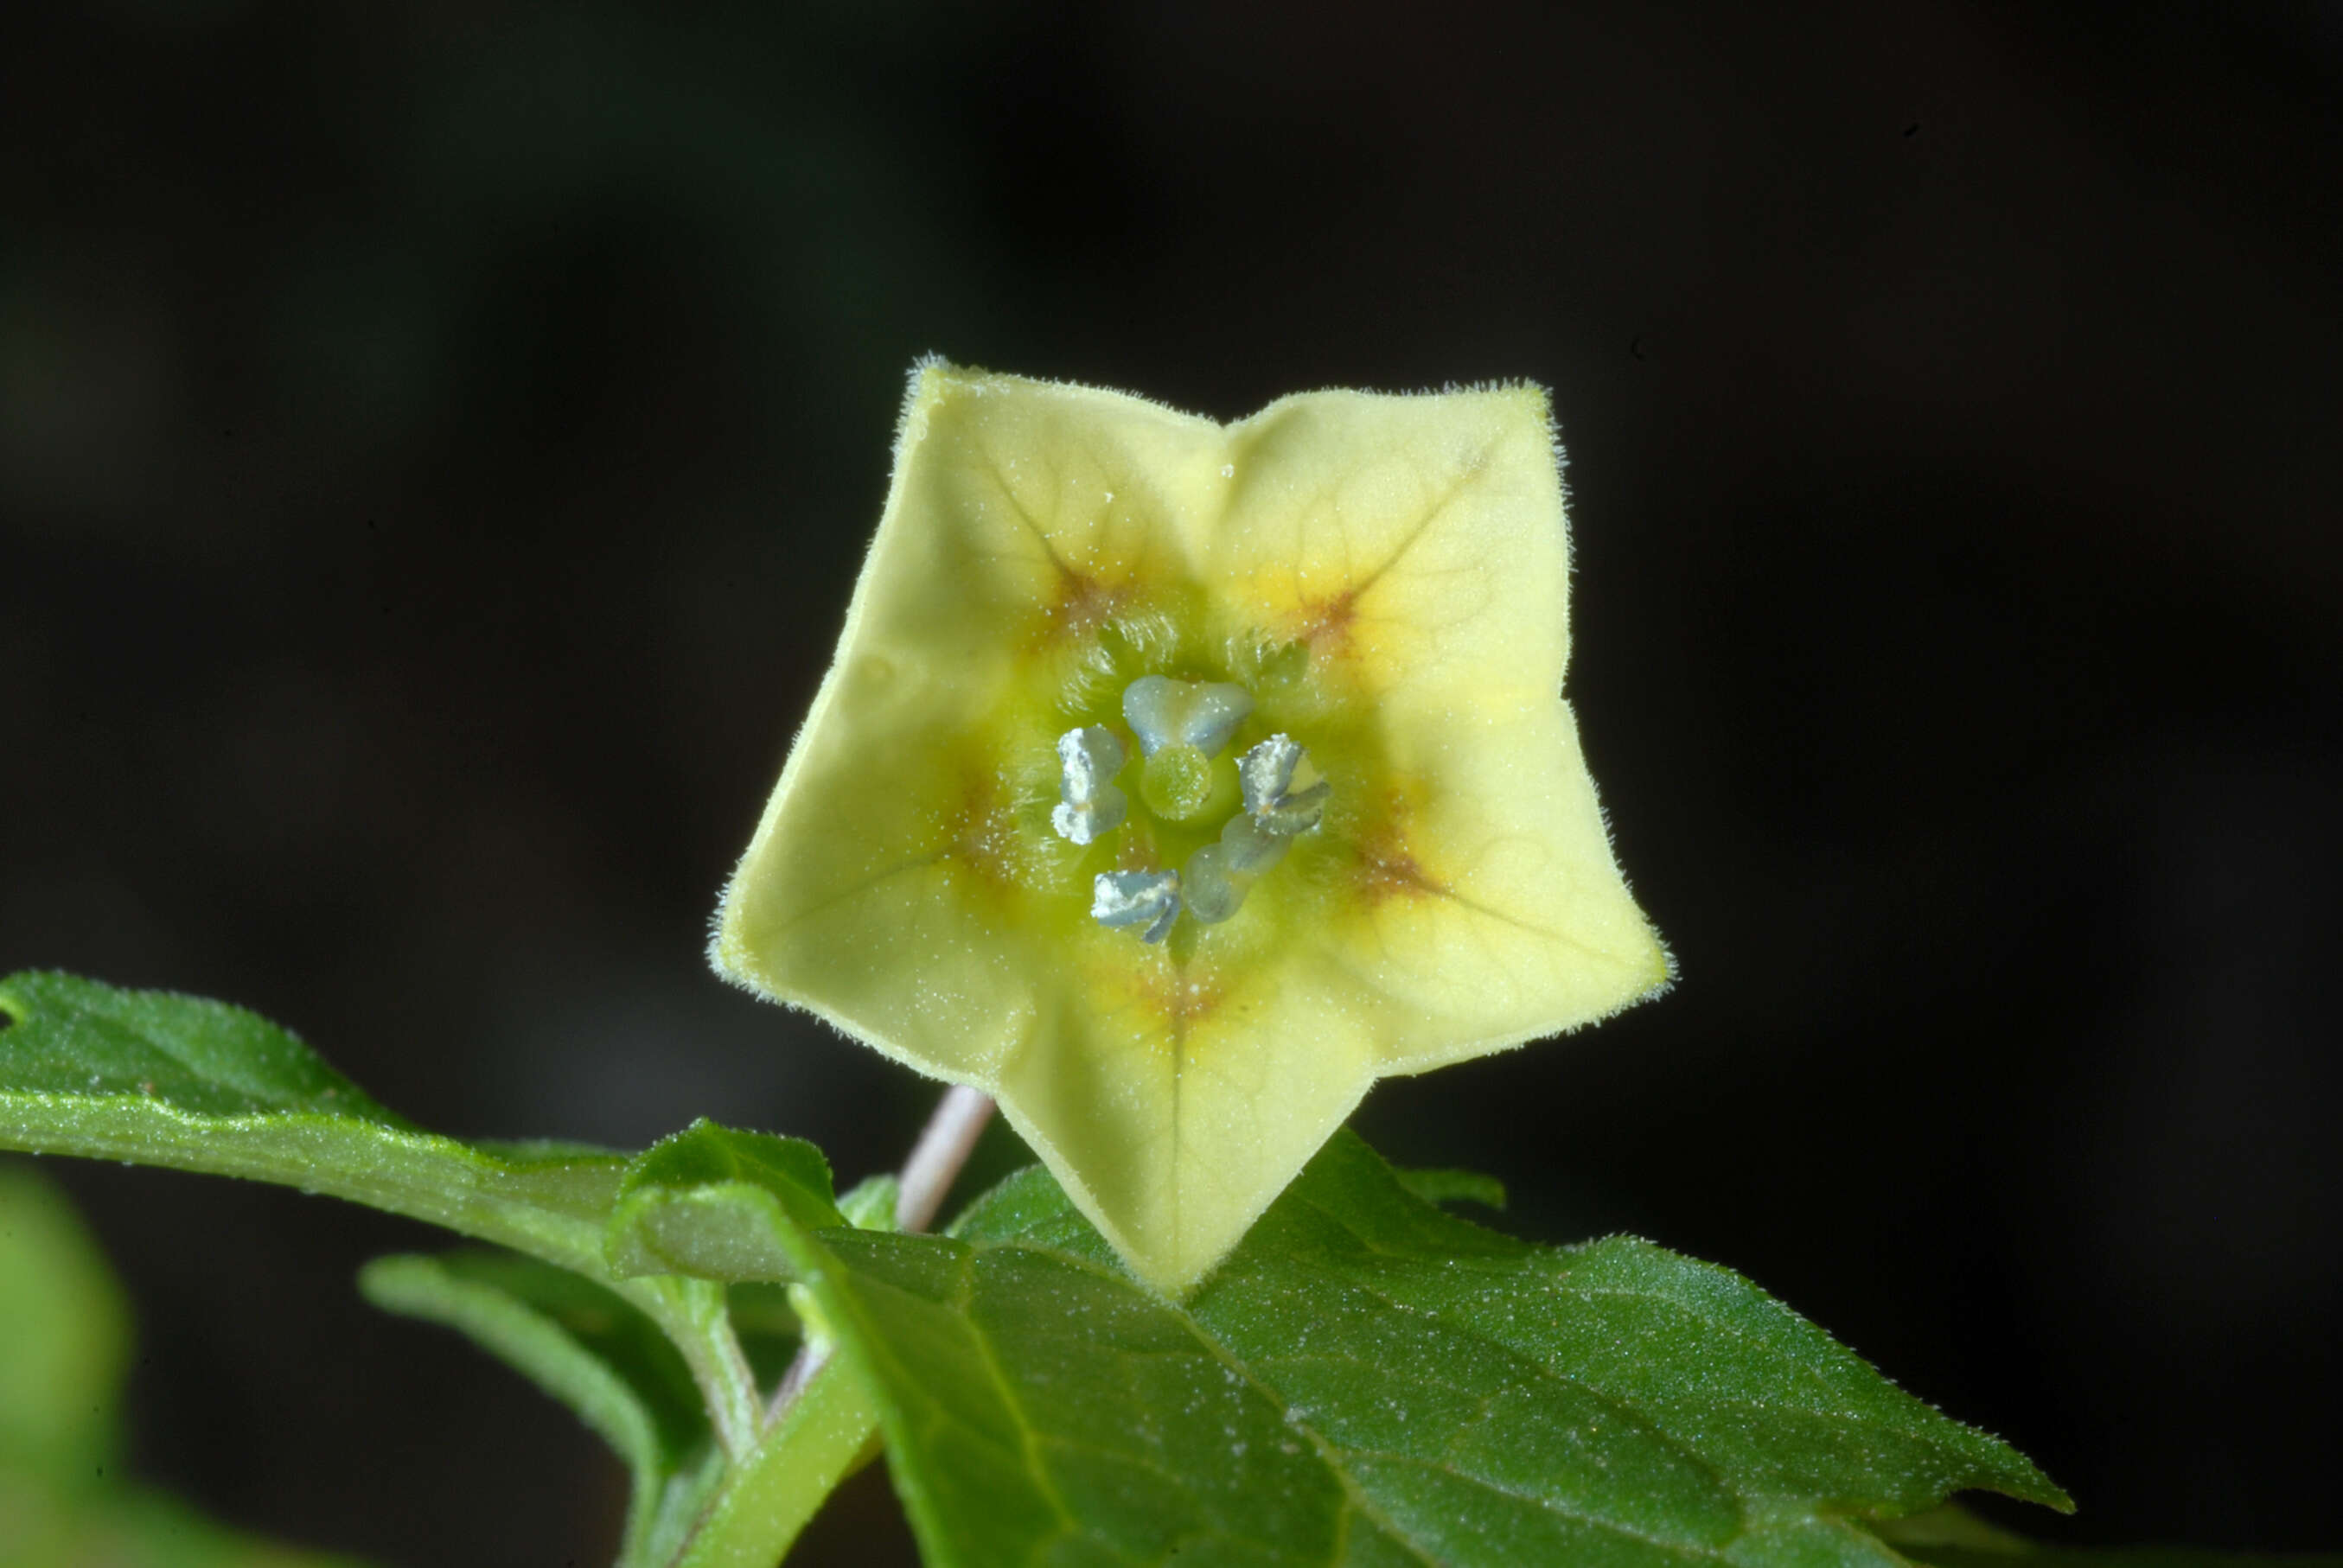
x: 1488, y: 911
x: 1188, y: 1096
x: 1414, y: 543
x: 1025, y: 512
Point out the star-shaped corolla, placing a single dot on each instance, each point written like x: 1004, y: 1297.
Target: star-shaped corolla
x: 1174, y: 781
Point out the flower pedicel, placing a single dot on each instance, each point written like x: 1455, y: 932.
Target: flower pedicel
x: 1174, y: 781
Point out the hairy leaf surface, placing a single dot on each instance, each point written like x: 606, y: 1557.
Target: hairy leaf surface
x: 1370, y: 1380
x: 711, y: 1201
x: 160, y: 1079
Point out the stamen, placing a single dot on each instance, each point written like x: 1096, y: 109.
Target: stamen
x: 1181, y: 725
x: 1269, y: 775
x: 1119, y: 898
x: 1198, y: 713
x: 1252, y: 848
x: 1088, y: 805
x: 1217, y: 878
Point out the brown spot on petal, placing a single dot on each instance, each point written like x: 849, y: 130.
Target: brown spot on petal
x: 1080, y: 606
x: 1386, y: 868
x: 1393, y: 874
x: 983, y: 835
x: 1178, y: 994
x: 1326, y: 624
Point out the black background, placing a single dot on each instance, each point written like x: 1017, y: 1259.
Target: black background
x: 436, y: 441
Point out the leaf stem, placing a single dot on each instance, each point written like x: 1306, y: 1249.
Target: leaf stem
x: 768, y: 1497
x: 695, y: 1316
x: 935, y: 1161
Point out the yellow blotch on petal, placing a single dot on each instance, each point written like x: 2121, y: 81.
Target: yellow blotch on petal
x: 1386, y: 577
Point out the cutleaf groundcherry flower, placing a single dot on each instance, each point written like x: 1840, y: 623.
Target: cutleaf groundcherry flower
x: 1174, y: 781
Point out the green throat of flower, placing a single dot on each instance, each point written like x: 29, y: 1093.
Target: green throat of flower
x: 1181, y: 727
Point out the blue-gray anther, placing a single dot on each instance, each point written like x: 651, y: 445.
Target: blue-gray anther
x: 1127, y: 898
x: 1088, y: 805
x: 1282, y: 792
x: 1217, y: 878
x: 1198, y: 713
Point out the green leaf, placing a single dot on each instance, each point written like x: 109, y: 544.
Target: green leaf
x: 174, y: 1080
x: 579, y: 1343
x: 129, y: 1527
x: 766, y: 1325
x: 585, y: 1347
x: 165, y: 1080
x: 735, y: 1212
x: 1370, y: 1380
x: 700, y: 1212
x: 65, y: 1345
x: 871, y: 1205
x: 711, y: 1202
x: 1455, y: 1186
x: 64, y: 1337
x: 82, y: 1039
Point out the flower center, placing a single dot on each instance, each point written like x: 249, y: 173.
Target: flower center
x: 1180, y: 725
x: 1176, y: 782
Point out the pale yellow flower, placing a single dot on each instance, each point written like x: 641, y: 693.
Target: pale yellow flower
x: 1174, y: 781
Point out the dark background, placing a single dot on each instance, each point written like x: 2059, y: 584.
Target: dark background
x: 436, y: 441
